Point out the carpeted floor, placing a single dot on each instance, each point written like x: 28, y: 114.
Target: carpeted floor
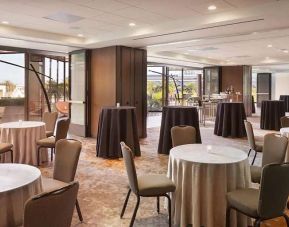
x: 103, y: 183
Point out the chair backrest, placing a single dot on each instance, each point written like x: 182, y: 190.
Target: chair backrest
x: 66, y: 159
x: 50, y: 120
x: 62, y: 129
x: 54, y: 208
x: 274, y: 190
x: 183, y: 135
x: 274, y: 148
x: 284, y: 122
x: 250, y: 134
x: 130, y: 167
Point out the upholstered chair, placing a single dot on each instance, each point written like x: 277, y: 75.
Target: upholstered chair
x: 146, y: 185
x: 183, y: 135
x: 65, y: 165
x: 265, y: 203
x: 61, y: 133
x: 6, y: 147
x: 284, y: 122
x: 50, y: 121
x: 53, y: 208
x: 274, y: 151
x: 256, y: 147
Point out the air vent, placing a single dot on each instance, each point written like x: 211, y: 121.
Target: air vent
x: 208, y: 49
x: 242, y: 56
x: 63, y: 17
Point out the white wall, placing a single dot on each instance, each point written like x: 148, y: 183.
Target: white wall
x: 280, y: 85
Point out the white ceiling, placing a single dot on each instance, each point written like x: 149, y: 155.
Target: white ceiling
x: 185, y: 31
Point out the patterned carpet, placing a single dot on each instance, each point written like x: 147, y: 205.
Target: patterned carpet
x: 103, y: 183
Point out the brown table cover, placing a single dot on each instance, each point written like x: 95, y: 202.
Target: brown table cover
x: 173, y: 116
x: 285, y: 98
x: 117, y: 124
x: 271, y: 112
x: 230, y: 119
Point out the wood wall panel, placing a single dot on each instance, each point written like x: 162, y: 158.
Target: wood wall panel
x: 232, y: 75
x: 103, y: 82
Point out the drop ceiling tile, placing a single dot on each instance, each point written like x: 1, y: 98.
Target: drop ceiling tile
x: 102, y: 5
x: 245, y: 3
x: 221, y: 6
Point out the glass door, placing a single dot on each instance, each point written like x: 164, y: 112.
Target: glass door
x: 79, y: 114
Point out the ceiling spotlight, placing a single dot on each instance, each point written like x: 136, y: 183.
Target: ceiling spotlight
x: 269, y: 45
x: 285, y: 51
x: 80, y: 35
x: 212, y: 7
x: 4, y: 22
x: 131, y: 24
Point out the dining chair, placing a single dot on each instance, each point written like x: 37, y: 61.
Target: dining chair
x: 61, y: 133
x: 274, y: 151
x: 50, y: 121
x: 183, y: 134
x: 145, y: 186
x: 65, y: 165
x: 6, y: 147
x: 284, y: 122
x: 265, y: 203
x: 53, y: 208
x: 253, y: 145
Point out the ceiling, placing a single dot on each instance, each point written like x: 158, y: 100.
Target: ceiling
x: 183, y: 32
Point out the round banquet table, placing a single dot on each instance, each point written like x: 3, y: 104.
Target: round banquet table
x: 23, y: 135
x: 203, y: 175
x: 18, y: 183
x: 117, y: 124
x: 271, y: 112
x: 230, y: 119
x: 285, y: 98
x: 174, y: 116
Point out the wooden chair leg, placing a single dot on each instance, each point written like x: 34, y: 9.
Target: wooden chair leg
x: 125, y: 203
x: 249, y: 152
x: 254, y: 158
x: 135, y: 211
x: 51, y: 154
x: 158, y: 204
x: 257, y: 223
x: 38, y: 156
x: 286, y: 219
x: 78, y: 211
x: 228, y: 216
x: 170, y: 209
x: 11, y: 153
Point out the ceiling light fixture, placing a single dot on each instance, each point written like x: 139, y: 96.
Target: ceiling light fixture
x: 285, y: 51
x: 4, y: 22
x: 131, y: 24
x: 269, y: 45
x: 80, y: 35
x: 212, y: 7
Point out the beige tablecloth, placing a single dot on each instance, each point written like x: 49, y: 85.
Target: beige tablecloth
x: 23, y: 136
x: 203, y: 175
x: 18, y: 183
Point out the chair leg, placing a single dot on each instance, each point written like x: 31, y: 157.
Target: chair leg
x: 170, y: 210
x: 254, y: 158
x: 257, y: 223
x: 38, y: 156
x: 134, y: 212
x: 286, y: 219
x: 78, y: 211
x: 228, y: 216
x: 249, y: 152
x: 11, y: 152
x: 51, y: 154
x: 158, y: 204
x: 125, y: 203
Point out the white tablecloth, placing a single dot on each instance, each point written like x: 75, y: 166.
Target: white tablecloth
x: 203, y: 175
x: 23, y: 135
x: 18, y: 183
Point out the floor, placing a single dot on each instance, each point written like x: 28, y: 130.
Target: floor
x: 103, y: 183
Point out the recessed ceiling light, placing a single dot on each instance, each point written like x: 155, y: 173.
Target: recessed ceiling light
x: 4, y: 22
x: 80, y: 35
x: 131, y: 24
x: 269, y: 45
x: 212, y: 7
x: 285, y: 51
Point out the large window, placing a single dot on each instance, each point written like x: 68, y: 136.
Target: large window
x: 12, y: 87
x: 155, y: 88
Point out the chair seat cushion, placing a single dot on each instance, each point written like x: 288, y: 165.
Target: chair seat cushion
x: 4, y: 147
x: 47, y: 142
x: 49, y: 133
x: 152, y: 185
x: 245, y: 201
x: 256, y: 173
x: 258, y: 147
x: 50, y: 184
